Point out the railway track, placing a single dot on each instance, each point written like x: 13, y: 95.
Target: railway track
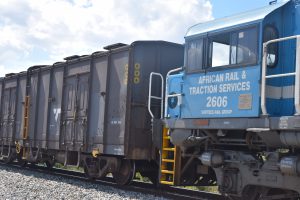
x: 136, y: 186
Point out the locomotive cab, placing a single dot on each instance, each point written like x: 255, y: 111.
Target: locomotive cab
x: 223, y: 66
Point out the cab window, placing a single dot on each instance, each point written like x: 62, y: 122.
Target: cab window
x: 195, y: 54
x: 220, y: 50
x: 271, y: 33
x: 233, y: 48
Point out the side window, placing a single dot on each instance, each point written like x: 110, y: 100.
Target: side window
x: 233, y: 48
x: 247, y: 46
x: 270, y: 33
x: 220, y: 50
x: 194, y: 53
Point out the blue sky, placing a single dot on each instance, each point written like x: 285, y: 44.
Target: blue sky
x: 37, y: 32
x: 223, y: 8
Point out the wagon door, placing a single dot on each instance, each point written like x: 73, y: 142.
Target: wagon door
x: 81, y: 109
x: 75, y: 111
x: 68, y: 111
x: 9, y: 106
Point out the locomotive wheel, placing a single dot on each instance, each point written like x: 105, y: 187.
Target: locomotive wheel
x: 125, y: 173
x: 251, y: 193
x: 269, y: 192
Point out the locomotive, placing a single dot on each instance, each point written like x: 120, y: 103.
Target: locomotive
x: 231, y: 114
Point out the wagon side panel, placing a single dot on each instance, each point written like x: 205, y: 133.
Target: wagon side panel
x: 97, y: 104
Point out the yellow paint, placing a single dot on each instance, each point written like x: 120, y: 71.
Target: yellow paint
x: 95, y: 153
x: 26, y: 118
x: 18, y: 147
x: 125, y: 80
x: 137, y: 73
x: 168, y: 160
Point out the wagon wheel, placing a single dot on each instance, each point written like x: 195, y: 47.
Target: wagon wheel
x: 9, y: 158
x: 50, y: 163
x: 88, y: 174
x: 153, y: 177
x: 21, y: 161
x: 125, y: 173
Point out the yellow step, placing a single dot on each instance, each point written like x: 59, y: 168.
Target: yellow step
x: 168, y: 160
x: 167, y: 172
x: 166, y: 182
x: 168, y: 149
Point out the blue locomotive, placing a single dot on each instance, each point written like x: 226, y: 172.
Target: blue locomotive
x: 231, y: 113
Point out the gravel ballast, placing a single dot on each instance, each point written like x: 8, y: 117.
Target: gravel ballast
x: 24, y: 184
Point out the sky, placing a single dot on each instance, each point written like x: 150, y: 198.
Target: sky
x: 34, y: 32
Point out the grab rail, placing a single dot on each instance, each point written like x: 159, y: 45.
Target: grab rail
x: 264, y: 77
x: 150, y: 97
x: 167, y: 96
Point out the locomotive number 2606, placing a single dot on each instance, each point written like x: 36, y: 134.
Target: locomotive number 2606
x: 216, y: 101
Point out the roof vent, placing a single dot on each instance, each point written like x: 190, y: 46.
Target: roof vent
x: 10, y: 74
x: 71, y: 57
x: 82, y: 56
x: 36, y: 67
x: 114, y: 46
x: 273, y: 2
x: 98, y: 52
x: 57, y: 63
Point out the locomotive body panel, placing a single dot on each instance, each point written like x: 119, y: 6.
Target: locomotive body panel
x: 226, y: 93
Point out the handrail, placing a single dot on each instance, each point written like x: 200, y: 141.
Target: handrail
x: 296, y: 74
x: 167, y: 88
x: 156, y: 97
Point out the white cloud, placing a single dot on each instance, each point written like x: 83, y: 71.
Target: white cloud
x: 44, y: 31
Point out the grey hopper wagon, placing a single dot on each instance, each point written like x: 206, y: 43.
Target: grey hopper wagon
x: 88, y: 110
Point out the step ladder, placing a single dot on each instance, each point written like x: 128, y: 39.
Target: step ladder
x: 170, y: 161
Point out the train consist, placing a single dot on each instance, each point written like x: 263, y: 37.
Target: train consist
x: 222, y: 111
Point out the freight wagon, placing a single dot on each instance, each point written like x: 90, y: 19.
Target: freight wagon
x: 88, y: 111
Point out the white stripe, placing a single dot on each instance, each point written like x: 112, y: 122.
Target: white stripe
x: 286, y: 92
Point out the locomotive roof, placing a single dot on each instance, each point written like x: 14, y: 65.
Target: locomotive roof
x: 235, y: 20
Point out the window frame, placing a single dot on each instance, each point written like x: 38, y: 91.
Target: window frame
x: 207, y: 51
x: 186, y: 60
x: 277, y: 45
